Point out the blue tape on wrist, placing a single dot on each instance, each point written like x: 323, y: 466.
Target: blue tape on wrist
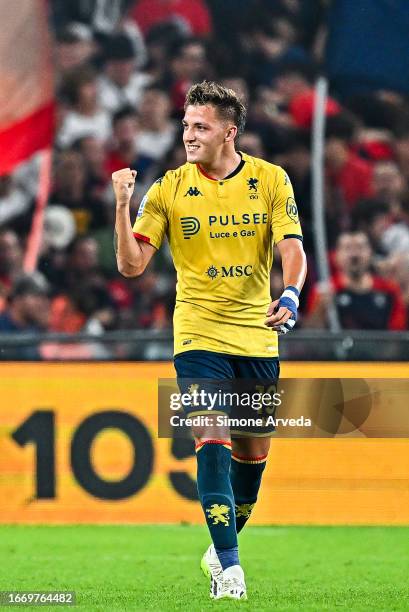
x: 290, y: 304
x: 291, y: 288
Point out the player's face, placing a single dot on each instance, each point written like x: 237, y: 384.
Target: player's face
x: 204, y: 134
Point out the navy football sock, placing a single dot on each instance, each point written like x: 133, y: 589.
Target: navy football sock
x: 245, y: 477
x: 228, y: 556
x: 217, y: 499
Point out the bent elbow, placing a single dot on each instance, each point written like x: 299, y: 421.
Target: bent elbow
x: 130, y: 271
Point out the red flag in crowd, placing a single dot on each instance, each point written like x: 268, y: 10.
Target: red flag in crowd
x: 26, y: 82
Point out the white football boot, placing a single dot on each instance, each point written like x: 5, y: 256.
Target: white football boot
x: 210, y: 564
x: 230, y: 585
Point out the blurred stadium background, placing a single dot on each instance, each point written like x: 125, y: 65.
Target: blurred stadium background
x: 90, y: 86
x: 94, y: 86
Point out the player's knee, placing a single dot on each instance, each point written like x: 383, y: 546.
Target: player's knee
x: 251, y: 447
x: 212, y: 431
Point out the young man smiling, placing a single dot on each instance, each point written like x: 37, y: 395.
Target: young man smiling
x: 222, y: 212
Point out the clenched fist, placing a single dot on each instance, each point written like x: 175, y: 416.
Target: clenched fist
x: 124, y: 184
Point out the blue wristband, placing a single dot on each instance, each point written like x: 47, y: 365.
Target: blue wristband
x: 289, y: 299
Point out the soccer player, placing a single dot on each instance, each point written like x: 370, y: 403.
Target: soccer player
x: 222, y: 212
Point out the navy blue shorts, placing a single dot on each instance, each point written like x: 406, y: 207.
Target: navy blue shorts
x: 244, y: 379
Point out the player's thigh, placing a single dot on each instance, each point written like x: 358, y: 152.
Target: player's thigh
x: 208, y: 372
x: 256, y: 379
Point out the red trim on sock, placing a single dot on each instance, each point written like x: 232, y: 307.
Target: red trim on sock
x: 223, y: 442
x: 240, y: 458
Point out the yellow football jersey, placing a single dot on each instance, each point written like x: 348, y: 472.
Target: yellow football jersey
x: 221, y: 235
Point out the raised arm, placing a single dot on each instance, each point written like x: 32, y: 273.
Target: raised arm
x: 132, y: 255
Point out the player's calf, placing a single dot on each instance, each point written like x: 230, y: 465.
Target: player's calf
x: 217, y: 499
x: 247, y: 466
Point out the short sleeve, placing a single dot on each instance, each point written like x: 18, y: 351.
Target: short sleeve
x: 151, y: 220
x: 284, y: 222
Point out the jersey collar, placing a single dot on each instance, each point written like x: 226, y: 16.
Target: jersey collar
x: 229, y: 176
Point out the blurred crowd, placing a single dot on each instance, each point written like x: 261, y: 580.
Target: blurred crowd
x: 123, y: 68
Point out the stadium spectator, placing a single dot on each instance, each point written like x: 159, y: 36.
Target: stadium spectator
x: 238, y: 85
x: 14, y: 201
x: 388, y: 235
x: 157, y: 131
x: 296, y: 158
x: 402, y: 151
x: 347, y: 174
x: 84, y: 117
x: 28, y: 305
x: 83, y: 298
x: 274, y: 44
x: 82, y: 261
x: 74, y: 47
x: 388, y: 184
x: 295, y: 94
x: 101, y: 16
x: 291, y: 96
x: 70, y: 190
x: 87, y: 308
x: 362, y: 299
x: 121, y: 83
x: 161, y: 39
x: 175, y: 158
x: 11, y: 262
x: 251, y: 143
x: 272, y: 127
x: 146, y: 301
x: 94, y: 154
x: 373, y: 217
x: 125, y: 151
x: 192, y: 16
x: 396, y: 266
x: 187, y: 66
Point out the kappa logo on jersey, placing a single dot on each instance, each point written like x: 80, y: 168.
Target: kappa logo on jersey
x: 229, y: 272
x: 193, y: 191
x: 292, y: 210
x: 252, y: 184
x: 190, y: 226
x: 142, y: 206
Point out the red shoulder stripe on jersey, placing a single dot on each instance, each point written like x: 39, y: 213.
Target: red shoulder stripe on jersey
x: 141, y: 237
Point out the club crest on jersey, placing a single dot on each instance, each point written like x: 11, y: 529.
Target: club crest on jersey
x: 190, y: 226
x: 292, y: 210
x: 252, y: 184
x: 193, y: 191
